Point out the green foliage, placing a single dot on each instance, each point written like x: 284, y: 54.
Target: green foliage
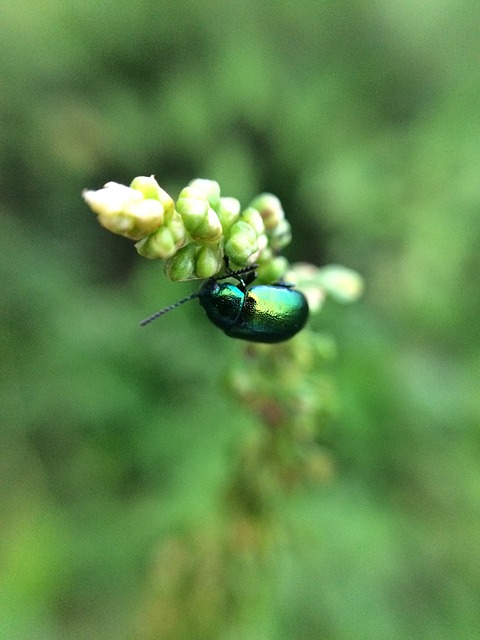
x: 115, y: 444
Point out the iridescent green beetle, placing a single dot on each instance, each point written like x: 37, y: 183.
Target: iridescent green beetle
x: 262, y: 313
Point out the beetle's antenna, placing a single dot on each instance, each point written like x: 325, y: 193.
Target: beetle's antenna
x: 240, y: 272
x: 167, y: 309
x: 249, y: 273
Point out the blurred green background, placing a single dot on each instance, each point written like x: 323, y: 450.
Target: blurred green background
x: 364, y: 118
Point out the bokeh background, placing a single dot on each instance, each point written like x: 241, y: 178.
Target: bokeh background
x: 364, y: 118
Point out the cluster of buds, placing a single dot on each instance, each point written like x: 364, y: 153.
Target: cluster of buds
x: 319, y: 283
x: 196, y: 233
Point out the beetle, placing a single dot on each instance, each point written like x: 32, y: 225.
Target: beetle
x: 261, y: 313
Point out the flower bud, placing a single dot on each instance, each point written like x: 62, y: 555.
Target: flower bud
x: 208, y: 261
x: 228, y: 212
x: 200, y: 220
x: 113, y: 198
x: 210, y: 189
x: 242, y: 243
x: 344, y: 285
x: 181, y: 266
x: 270, y: 209
x: 262, y: 248
x: 151, y: 189
x: 253, y: 217
x: 209, y: 230
x: 280, y: 236
x: 305, y: 277
x: 177, y: 229
x: 160, y: 244
x: 192, y: 210
x: 125, y: 211
x: 192, y: 192
x: 147, y: 214
x: 262, y: 242
x: 273, y: 271
x: 266, y: 254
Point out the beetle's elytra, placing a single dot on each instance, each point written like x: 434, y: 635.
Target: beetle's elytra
x: 262, y: 313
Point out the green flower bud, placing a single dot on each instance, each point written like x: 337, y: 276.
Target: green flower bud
x: 344, y: 285
x: 181, y: 266
x: 177, y: 229
x: 210, y: 189
x: 192, y: 210
x: 209, y: 261
x: 113, y: 198
x: 151, y: 189
x: 160, y: 244
x: 193, y: 193
x: 273, y: 271
x: 209, y: 230
x: 200, y: 220
x: 147, y: 214
x: 305, y: 277
x: 125, y: 211
x: 242, y: 243
x: 266, y: 254
x: 262, y: 242
x: 253, y: 217
x: 262, y: 246
x: 280, y: 236
x: 228, y: 212
x: 270, y: 209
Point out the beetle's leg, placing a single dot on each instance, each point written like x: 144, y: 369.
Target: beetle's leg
x: 249, y: 277
x: 243, y: 282
x: 249, y: 273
